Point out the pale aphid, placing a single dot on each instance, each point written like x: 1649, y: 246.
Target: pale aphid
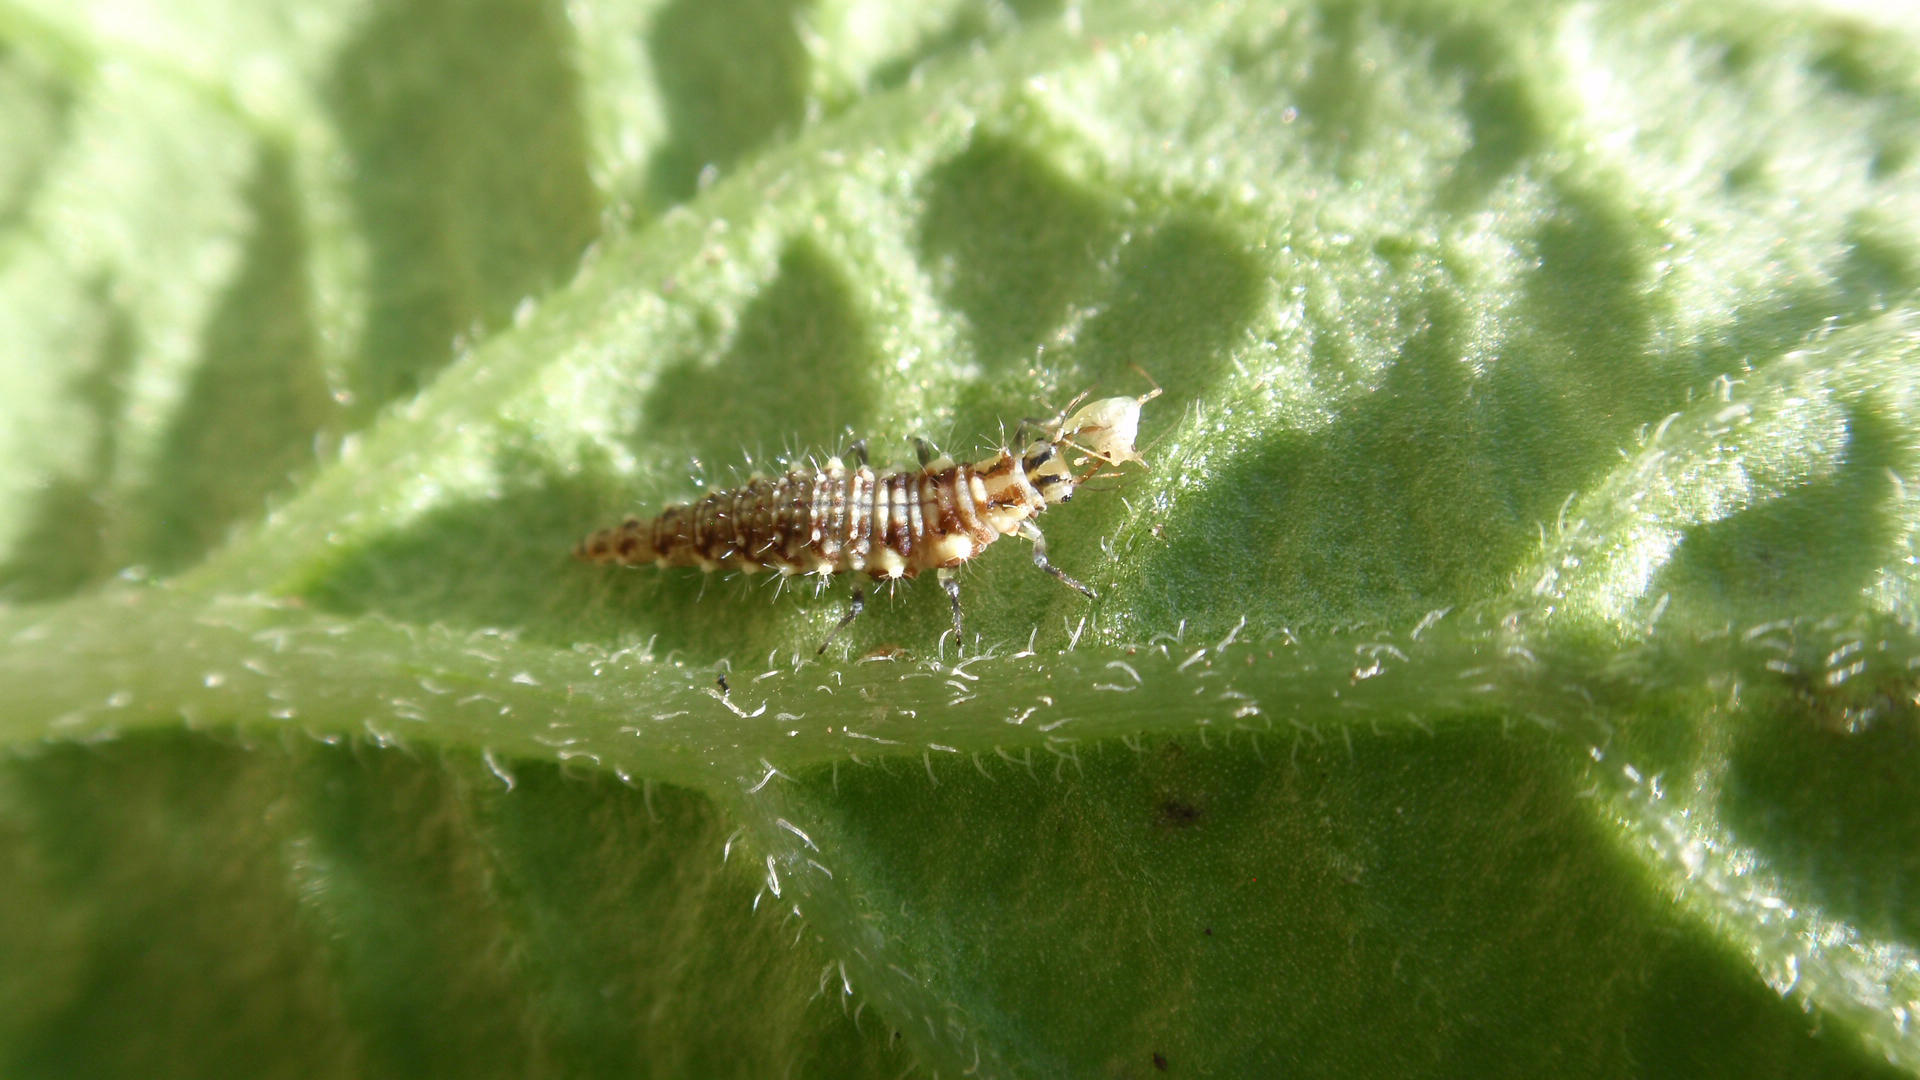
x: 1108, y: 428
x: 834, y: 519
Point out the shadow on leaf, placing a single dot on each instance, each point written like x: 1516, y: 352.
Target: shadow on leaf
x: 733, y: 77
x: 67, y: 543
x: 257, y: 398
x: 1236, y: 908
x: 1013, y: 244
x: 470, y: 175
x: 798, y: 372
x: 36, y: 116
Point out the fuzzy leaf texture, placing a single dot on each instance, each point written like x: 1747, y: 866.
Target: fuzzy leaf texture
x: 1507, y: 666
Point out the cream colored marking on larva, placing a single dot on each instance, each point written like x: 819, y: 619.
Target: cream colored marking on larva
x: 834, y: 520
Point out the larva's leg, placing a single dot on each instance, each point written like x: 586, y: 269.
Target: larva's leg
x: 924, y: 450
x: 951, y: 583
x: 857, y: 451
x: 854, y: 608
x: 1032, y: 532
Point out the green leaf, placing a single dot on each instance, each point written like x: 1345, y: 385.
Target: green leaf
x: 1506, y: 664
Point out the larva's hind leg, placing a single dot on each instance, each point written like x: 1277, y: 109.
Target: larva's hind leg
x: 857, y: 452
x: 1032, y: 532
x: 950, y: 582
x: 855, y: 606
x: 924, y: 450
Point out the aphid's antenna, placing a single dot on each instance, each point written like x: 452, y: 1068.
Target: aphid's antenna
x: 1142, y: 372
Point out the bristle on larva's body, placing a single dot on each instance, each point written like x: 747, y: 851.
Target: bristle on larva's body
x: 838, y: 519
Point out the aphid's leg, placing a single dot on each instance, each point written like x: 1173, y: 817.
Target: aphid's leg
x: 854, y: 608
x: 1032, y: 532
x: 924, y: 450
x: 857, y: 451
x: 950, y: 582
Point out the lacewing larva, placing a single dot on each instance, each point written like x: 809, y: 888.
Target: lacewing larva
x: 833, y: 519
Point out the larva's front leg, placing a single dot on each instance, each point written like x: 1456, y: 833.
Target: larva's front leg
x: 1028, y: 430
x: 856, y: 604
x: 1032, y: 532
x: 951, y: 582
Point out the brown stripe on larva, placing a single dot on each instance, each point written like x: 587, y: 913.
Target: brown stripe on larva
x: 858, y: 524
x: 946, y: 515
x: 739, y: 515
x: 899, y: 534
x: 829, y: 532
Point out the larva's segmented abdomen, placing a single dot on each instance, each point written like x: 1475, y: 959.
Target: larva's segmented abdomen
x: 833, y: 520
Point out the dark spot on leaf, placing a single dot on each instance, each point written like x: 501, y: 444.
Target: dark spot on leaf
x: 1178, y: 813
x: 1160, y: 1061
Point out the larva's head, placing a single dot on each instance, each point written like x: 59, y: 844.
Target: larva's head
x: 1106, y: 429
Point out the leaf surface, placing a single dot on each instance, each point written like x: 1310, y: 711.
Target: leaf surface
x: 1506, y: 664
